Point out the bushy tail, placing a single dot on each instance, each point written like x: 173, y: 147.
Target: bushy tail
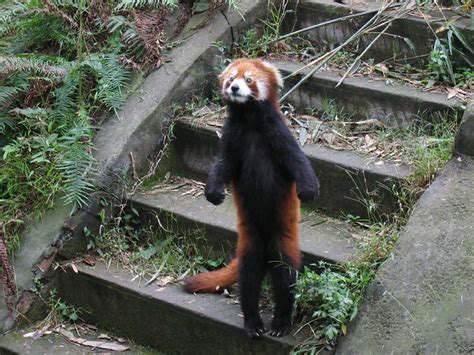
x: 213, y: 281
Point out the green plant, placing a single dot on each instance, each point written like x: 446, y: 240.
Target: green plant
x: 60, y: 311
x: 427, y: 144
x: 254, y: 44
x: 146, y: 251
x: 328, y: 299
x: 449, y: 57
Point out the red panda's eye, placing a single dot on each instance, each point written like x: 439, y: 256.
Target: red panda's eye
x: 231, y: 78
x: 248, y: 80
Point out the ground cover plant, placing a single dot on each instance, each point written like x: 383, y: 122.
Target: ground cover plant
x: 65, y: 67
x: 156, y: 254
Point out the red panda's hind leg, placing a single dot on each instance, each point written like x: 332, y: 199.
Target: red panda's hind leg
x: 252, y: 269
x: 287, y: 256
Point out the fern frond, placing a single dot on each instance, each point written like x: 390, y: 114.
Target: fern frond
x: 65, y: 103
x: 9, y: 16
x: 77, y: 165
x: 133, y: 4
x: 133, y: 41
x: 8, y: 65
x: 116, y: 23
x: 112, y: 78
x: 6, y: 121
x: 11, y: 87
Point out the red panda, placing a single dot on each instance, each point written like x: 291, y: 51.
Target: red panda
x: 269, y: 174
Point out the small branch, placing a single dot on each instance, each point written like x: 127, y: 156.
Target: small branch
x: 359, y: 57
x: 326, y: 23
x: 332, y: 53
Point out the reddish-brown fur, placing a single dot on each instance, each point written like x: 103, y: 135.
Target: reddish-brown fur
x: 217, y: 281
x: 261, y: 71
x: 270, y: 174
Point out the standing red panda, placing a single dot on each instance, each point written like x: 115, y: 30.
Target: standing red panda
x: 269, y: 172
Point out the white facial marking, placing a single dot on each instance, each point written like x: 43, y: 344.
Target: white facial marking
x: 276, y: 72
x: 262, y: 90
x: 241, y: 92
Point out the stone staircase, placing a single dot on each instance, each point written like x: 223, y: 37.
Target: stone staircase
x: 171, y: 321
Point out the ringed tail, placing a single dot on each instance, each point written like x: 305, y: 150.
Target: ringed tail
x: 213, y: 281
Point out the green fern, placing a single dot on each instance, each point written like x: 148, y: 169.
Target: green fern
x: 77, y: 164
x: 9, y: 16
x: 133, y: 4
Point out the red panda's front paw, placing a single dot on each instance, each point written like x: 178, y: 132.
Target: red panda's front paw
x: 308, y: 194
x: 214, y: 195
x: 308, y: 190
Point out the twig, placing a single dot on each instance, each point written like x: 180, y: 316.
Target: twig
x: 331, y: 54
x: 359, y: 57
x: 322, y: 24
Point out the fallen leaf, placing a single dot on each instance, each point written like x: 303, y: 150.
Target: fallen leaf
x: 344, y: 329
x: 74, y: 268
x: 38, y: 333
x: 164, y: 281
x: 328, y: 137
x: 303, y: 136
x: 104, y: 336
x: 382, y: 67
x: 369, y: 141
x: 92, y: 343
x: 452, y: 93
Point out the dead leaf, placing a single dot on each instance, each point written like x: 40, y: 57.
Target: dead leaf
x: 38, y: 333
x: 369, y: 141
x: 382, y: 67
x: 74, y: 268
x: 165, y: 280
x: 104, y: 336
x: 452, y: 92
x: 328, y: 137
x: 90, y: 258
x: 92, y: 343
x: 303, y: 136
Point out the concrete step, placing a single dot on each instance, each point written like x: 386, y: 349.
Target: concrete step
x: 416, y: 29
x: 396, y: 105
x: 346, y: 179
x: 166, y: 319
x: 321, y: 239
x: 52, y: 344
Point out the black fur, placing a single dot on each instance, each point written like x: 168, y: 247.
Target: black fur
x: 260, y: 156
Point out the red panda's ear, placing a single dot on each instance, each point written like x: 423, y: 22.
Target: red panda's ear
x: 226, y: 70
x: 275, y: 72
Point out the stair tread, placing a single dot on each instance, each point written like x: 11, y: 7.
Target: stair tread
x: 360, y: 82
x: 331, y: 240
x: 344, y: 158
x: 221, y: 313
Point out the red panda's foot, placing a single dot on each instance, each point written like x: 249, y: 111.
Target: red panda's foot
x: 215, y: 194
x: 280, y: 327
x: 254, y: 327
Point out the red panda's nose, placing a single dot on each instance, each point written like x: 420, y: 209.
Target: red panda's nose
x: 234, y: 88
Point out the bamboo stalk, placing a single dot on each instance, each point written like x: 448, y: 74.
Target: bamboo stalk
x: 359, y: 57
x: 322, y: 24
x: 331, y: 53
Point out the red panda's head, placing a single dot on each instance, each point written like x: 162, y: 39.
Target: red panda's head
x: 247, y: 79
